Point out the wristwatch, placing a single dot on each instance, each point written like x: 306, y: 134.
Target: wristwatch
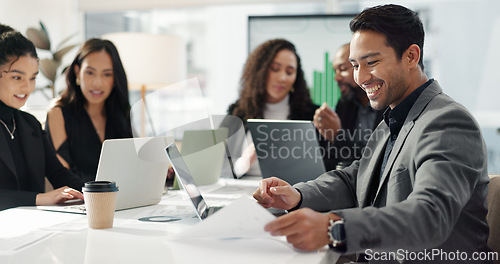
x: 336, y: 233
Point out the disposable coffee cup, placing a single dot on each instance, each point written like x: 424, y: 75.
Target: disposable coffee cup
x: 100, y: 203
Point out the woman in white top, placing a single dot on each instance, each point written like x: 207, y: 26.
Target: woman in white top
x: 272, y: 87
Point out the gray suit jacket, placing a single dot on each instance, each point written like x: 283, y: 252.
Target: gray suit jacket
x: 432, y: 194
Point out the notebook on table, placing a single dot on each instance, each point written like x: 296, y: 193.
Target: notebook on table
x: 139, y: 168
x: 287, y: 149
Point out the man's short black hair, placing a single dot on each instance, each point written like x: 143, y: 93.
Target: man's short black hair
x: 401, y: 26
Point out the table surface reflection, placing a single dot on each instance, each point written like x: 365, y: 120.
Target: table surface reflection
x: 37, y: 236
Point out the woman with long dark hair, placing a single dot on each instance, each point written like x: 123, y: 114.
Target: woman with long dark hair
x: 273, y: 74
x: 94, y: 107
x: 272, y: 87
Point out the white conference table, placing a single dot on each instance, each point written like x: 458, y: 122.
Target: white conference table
x: 29, y: 235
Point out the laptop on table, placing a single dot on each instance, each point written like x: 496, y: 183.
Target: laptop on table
x: 188, y: 183
x: 204, y: 153
x: 287, y: 149
x: 139, y: 168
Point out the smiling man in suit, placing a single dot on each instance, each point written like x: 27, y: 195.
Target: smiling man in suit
x: 421, y: 184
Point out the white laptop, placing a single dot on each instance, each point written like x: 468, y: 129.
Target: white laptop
x: 139, y: 168
x: 287, y: 149
x: 188, y: 183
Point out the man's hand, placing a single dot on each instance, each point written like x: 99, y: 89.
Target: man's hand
x: 170, y: 173
x: 58, y: 196
x: 277, y: 193
x: 305, y: 229
x: 327, y: 122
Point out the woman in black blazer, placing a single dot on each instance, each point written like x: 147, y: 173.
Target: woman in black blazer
x: 26, y: 157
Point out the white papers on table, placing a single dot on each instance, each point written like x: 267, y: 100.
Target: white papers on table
x: 242, y: 218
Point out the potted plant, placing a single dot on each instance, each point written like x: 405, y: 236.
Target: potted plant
x: 49, y: 66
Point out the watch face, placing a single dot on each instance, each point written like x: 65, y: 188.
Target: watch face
x: 338, y: 232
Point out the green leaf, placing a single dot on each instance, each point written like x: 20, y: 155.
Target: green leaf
x: 60, y: 53
x: 49, y: 68
x: 39, y: 38
x: 44, y: 30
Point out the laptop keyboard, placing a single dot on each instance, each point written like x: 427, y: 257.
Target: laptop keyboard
x: 80, y: 207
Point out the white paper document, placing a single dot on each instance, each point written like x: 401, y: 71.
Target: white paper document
x: 242, y: 218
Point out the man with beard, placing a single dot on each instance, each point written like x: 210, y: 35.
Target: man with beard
x: 350, y: 126
x: 422, y: 182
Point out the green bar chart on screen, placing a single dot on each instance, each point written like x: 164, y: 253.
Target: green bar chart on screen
x: 325, y: 88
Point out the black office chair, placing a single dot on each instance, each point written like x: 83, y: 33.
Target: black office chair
x: 493, y: 216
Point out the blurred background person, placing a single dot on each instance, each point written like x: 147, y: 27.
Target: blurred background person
x: 272, y: 87
x: 94, y: 107
x: 353, y: 121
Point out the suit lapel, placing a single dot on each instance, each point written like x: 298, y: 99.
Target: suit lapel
x: 396, y: 149
x: 381, y: 134
x: 427, y: 95
x: 30, y: 142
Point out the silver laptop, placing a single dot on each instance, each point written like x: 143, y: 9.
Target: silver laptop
x: 139, y: 168
x: 287, y: 149
x: 188, y: 183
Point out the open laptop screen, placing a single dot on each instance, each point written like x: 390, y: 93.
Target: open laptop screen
x: 287, y: 149
x: 186, y: 180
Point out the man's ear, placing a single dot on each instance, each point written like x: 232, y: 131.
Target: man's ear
x: 412, y: 55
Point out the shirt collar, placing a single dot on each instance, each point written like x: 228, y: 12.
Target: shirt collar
x: 396, y: 117
x: 279, y: 105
